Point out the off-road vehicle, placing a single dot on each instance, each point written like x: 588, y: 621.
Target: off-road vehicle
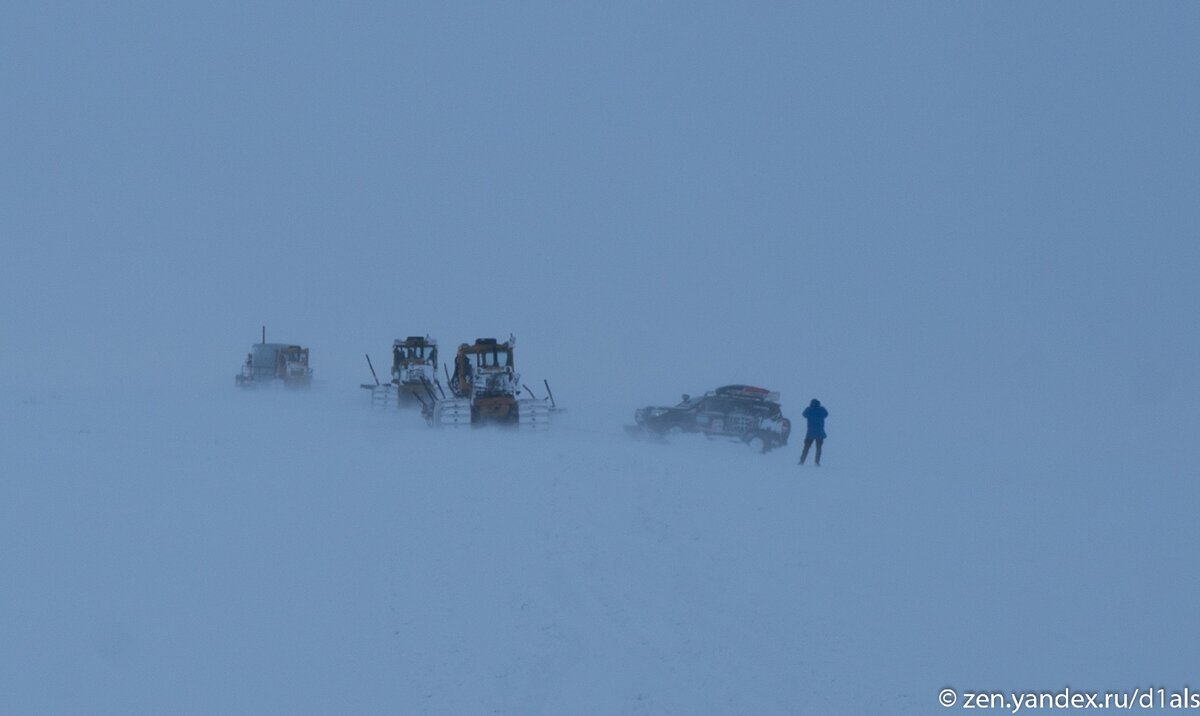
x: 745, y: 412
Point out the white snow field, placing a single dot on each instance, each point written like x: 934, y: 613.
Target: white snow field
x: 251, y: 552
x: 970, y: 229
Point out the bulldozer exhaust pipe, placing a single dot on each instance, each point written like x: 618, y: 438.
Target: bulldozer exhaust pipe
x: 550, y: 393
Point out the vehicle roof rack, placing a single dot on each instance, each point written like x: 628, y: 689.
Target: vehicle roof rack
x: 747, y: 391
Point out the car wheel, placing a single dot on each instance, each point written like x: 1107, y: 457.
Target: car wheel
x: 675, y: 430
x: 758, y: 443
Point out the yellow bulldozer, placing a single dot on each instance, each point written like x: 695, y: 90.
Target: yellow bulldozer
x: 414, y: 373
x: 486, y: 389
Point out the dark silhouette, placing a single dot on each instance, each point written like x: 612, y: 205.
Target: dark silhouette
x: 815, y: 414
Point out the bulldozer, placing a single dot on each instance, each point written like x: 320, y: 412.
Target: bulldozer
x: 272, y: 363
x: 486, y: 389
x: 414, y: 372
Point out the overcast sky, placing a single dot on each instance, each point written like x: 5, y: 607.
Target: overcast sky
x: 949, y: 204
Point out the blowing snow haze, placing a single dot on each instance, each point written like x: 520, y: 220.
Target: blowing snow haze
x: 970, y: 231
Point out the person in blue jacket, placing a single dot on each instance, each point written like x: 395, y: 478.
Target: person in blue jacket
x: 815, y: 414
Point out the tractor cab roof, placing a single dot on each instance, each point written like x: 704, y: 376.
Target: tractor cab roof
x: 486, y: 345
x: 271, y: 348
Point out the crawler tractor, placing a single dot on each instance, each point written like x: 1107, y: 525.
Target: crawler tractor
x: 272, y: 363
x: 414, y: 373
x: 485, y: 388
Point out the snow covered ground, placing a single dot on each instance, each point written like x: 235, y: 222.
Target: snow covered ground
x: 226, y: 551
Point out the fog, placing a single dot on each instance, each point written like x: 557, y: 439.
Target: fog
x: 970, y: 231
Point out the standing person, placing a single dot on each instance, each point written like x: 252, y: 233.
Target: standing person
x: 815, y: 414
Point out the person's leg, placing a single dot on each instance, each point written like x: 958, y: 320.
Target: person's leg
x: 804, y: 453
x: 820, y: 442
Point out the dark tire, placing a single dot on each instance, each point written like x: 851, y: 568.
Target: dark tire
x: 758, y: 443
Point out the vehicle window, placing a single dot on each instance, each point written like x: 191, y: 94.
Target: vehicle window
x: 492, y: 359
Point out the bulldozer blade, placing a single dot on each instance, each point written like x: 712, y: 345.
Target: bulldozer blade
x: 533, y: 414
x: 454, y: 412
x: 381, y: 395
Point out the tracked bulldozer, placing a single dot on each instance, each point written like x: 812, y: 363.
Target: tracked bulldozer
x: 486, y: 389
x: 414, y: 373
x: 275, y: 363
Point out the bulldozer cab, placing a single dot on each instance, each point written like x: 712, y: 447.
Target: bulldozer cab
x: 413, y: 351
x: 414, y: 361
x: 494, y: 356
x: 485, y: 367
